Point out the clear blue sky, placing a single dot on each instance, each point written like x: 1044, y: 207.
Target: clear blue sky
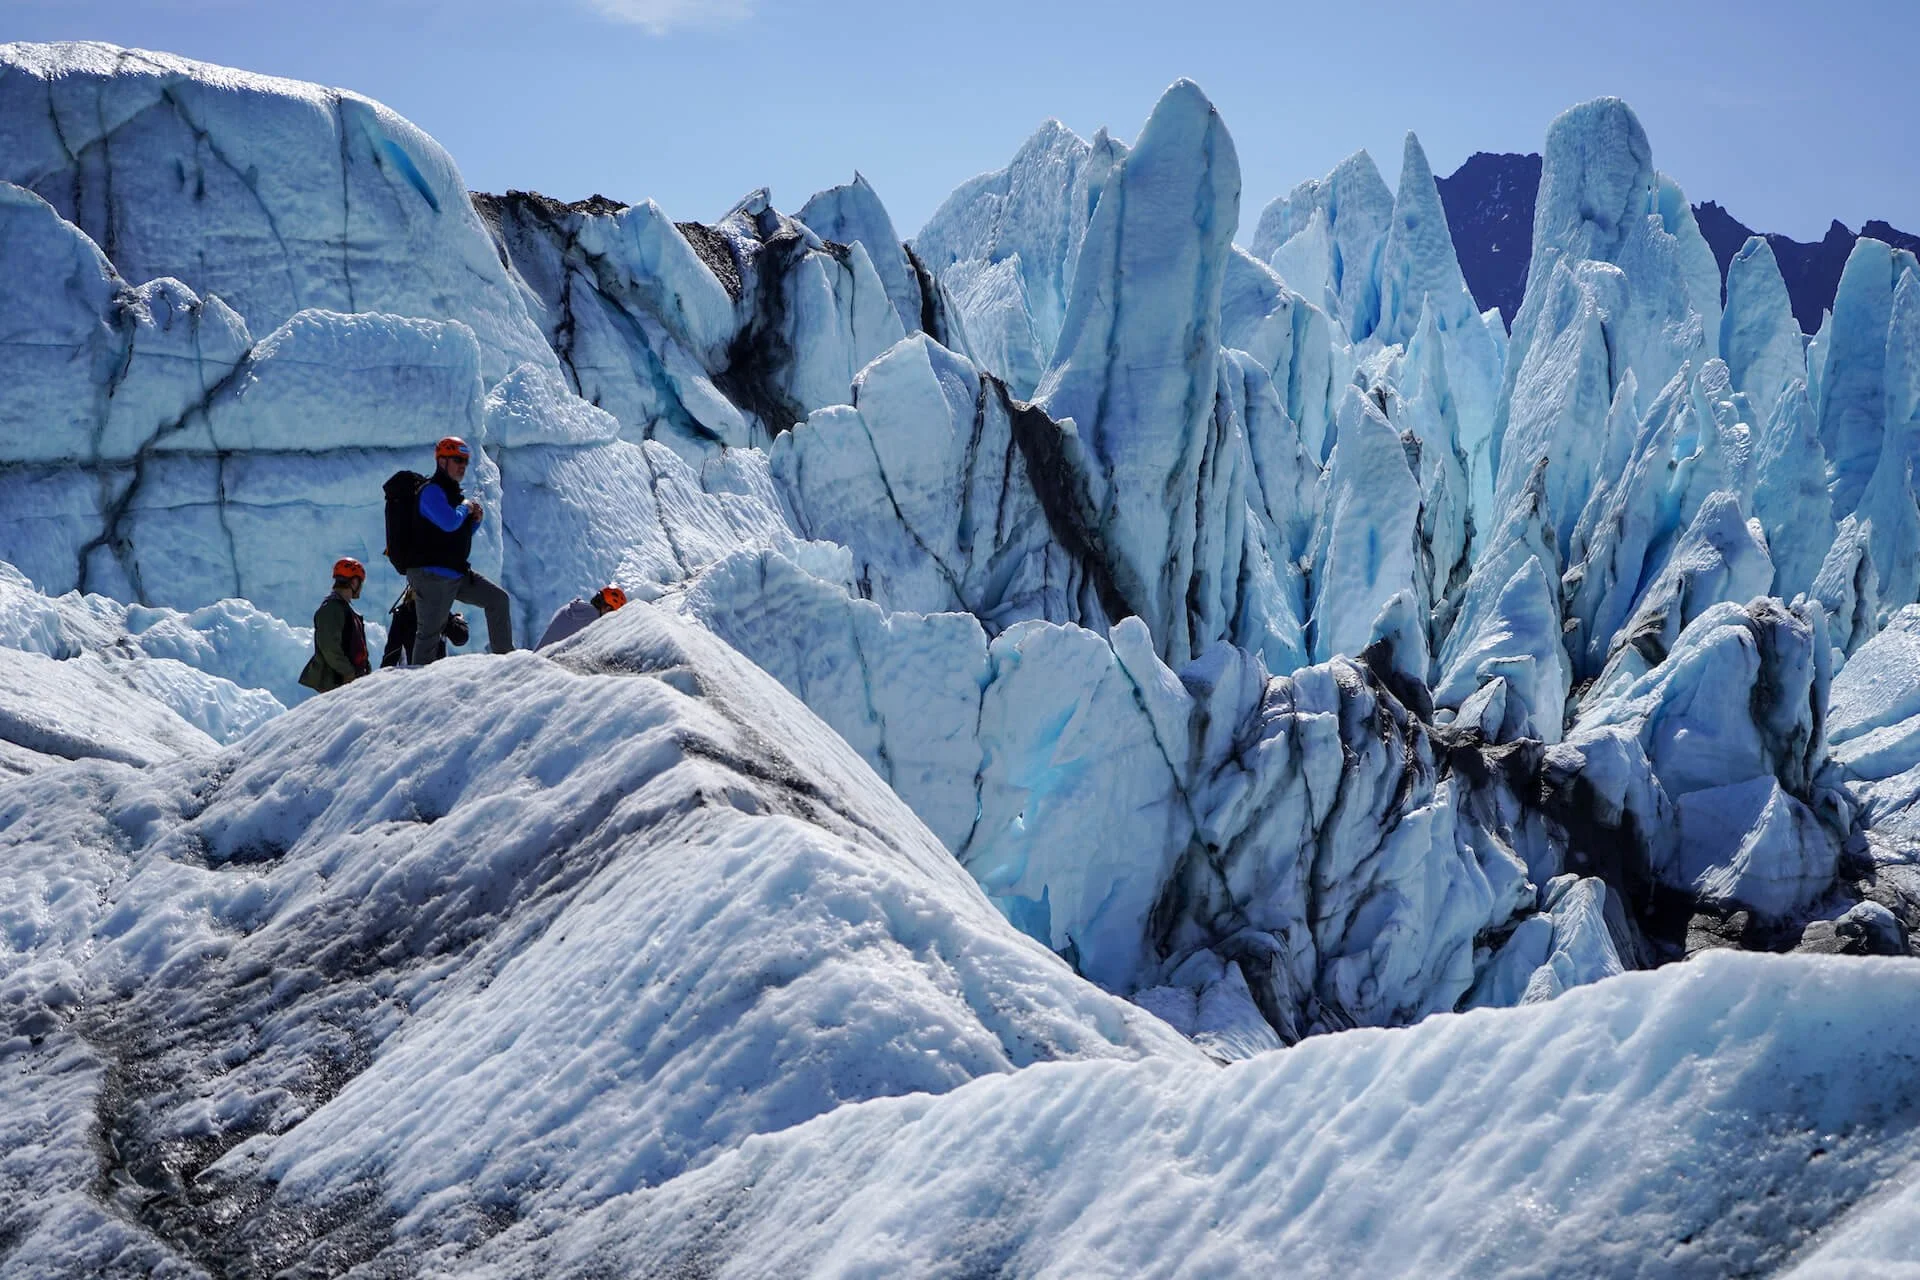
x: 1788, y: 114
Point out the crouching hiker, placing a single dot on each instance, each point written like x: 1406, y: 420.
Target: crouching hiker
x: 403, y: 624
x: 575, y: 614
x: 339, y: 633
x: 434, y: 537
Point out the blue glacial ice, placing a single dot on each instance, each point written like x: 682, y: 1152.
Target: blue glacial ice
x: 1067, y: 651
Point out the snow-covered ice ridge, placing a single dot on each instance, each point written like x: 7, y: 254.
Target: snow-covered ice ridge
x: 1070, y: 651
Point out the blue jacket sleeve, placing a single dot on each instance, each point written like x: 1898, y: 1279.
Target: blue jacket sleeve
x: 435, y: 507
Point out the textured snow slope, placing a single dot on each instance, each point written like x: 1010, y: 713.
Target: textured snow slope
x: 645, y: 971
x: 1710, y: 1120
x: 89, y: 676
x: 449, y: 948
x: 52, y: 711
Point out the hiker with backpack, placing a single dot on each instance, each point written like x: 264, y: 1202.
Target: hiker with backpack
x: 430, y: 528
x: 577, y: 613
x: 339, y: 632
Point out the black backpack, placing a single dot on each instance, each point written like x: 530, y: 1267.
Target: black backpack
x: 403, y: 518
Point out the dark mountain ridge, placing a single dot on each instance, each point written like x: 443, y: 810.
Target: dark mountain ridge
x: 1489, y: 202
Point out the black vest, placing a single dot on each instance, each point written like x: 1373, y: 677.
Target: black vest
x: 436, y: 548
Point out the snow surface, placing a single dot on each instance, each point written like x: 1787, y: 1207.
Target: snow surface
x: 224, y: 669
x: 80, y: 709
x: 647, y: 965
x: 646, y: 906
x: 1708, y: 1120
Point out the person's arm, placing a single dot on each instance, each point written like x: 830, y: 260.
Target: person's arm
x: 357, y: 652
x: 329, y: 635
x: 440, y: 513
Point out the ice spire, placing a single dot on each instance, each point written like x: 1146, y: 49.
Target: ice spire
x: 1368, y: 553
x: 1759, y: 339
x: 1418, y: 266
x: 1854, y: 379
x: 1887, y: 503
x: 1356, y: 208
x: 853, y: 214
x: 1136, y: 365
x: 1007, y: 242
x: 1790, y: 494
x: 1420, y: 277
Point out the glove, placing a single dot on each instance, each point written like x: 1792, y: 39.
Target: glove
x: 475, y: 512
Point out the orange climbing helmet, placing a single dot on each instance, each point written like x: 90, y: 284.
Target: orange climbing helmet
x: 348, y: 567
x: 452, y: 447
x: 611, y: 596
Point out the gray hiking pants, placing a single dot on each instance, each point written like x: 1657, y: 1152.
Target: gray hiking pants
x: 433, y: 597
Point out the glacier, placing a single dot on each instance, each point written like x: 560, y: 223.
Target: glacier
x: 1096, y: 700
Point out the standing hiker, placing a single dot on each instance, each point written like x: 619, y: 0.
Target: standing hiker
x: 435, y: 536
x: 339, y: 633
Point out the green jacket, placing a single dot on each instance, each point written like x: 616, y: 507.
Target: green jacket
x: 339, y: 646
